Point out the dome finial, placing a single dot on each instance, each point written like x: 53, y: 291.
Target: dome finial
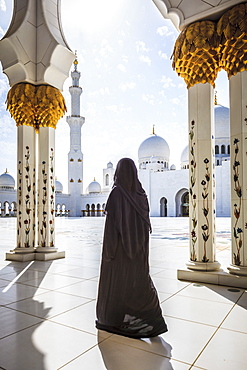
x: 6, y: 170
x: 94, y: 179
x: 215, y: 98
x: 153, y: 132
x: 75, y: 61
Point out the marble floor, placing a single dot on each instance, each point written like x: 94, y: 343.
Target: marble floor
x: 47, y: 309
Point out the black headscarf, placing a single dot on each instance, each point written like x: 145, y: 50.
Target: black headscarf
x: 126, y: 179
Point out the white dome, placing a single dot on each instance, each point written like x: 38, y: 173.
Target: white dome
x: 173, y: 167
x: 222, y: 122
x: 185, y: 156
x: 94, y: 187
x: 154, y: 146
x: 7, y: 181
x: 58, y: 187
x: 109, y: 165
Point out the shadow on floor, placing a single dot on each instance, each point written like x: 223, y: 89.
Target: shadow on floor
x: 17, y: 343
x: 121, y: 356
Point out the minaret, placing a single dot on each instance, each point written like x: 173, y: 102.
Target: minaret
x: 75, y: 156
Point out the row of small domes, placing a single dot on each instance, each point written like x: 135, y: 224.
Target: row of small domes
x: 153, y: 147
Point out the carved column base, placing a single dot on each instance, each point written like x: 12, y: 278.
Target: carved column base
x: 46, y: 250
x: 203, y: 266
x: 48, y: 256
x: 20, y: 257
x: 237, y: 270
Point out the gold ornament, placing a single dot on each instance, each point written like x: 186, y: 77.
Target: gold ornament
x: 203, y: 48
x: 35, y: 105
x: 195, y: 54
x: 232, y: 30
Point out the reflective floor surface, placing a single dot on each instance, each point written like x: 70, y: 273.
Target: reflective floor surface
x: 47, y: 310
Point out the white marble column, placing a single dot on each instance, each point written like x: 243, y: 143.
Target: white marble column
x: 201, y: 178
x: 238, y: 137
x: 26, y: 192
x: 46, y: 190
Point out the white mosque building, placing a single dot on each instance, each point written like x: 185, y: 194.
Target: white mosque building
x: 166, y: 186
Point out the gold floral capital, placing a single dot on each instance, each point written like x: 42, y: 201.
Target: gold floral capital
x: 195, y: 54
x: 203, y: 48
x: 35, y: 105
x: 232, y: 29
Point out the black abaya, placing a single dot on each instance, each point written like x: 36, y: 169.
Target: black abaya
x: 127, y: 299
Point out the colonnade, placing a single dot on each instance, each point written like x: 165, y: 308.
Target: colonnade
x: 201, y: 50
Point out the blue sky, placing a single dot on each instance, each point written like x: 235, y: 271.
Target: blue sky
x: 124, y: 50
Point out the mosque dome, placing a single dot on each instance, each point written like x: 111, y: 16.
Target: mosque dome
x: 109, y: 165
x: 173, y: 167
x: 222, y: 126
x: 185, y: 156
x: 94, y: 187
x: 7, y: 181
x: 58, y: 187
x: 154, y: 146
x: 222, y: 131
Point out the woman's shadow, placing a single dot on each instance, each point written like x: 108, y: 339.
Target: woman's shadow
x: 154, y: 353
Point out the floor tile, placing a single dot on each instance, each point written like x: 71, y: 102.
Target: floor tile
x: 48, y: 304
x: 196, y: 310
x: 237, y: 319
x: 167, y: 274
x: 12, y: 321
x: 212, y: 293
x: 117, y: 356
x: 44, y: 346
x: 82, y: 318
x: 168, y: 285
x: 82, y: 272
x: 86, y: 288
x: 17, y: 292
x: 243, y: 299
x: 226, y: 351
x: 53, y: 281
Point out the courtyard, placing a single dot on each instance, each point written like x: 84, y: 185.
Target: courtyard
x: 47, y: 310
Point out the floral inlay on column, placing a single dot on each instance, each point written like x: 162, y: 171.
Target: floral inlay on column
x: 52, y: 198
x: 192, y: 193
x: 27, y: 184
x: 205, y: 209
x: 237, y: 231
x: 19, y: 213
x: 48, y: 198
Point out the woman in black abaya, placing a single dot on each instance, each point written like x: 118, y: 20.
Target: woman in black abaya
x: 127, y: 299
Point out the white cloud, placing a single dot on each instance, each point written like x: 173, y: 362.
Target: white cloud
x: 167, y: 82
x: 98, y: 62
x: 148, y: 98
x: 105, y: 48
x: 175, y: 101
x: 162, y: 93
x: 125, y: 59
x: 2, y: 32
x: 127, y: 85
x: 102, y: 91
x: 3, y: 5
x: 112, y: 108
x: 164, y: 31
x: 121, y: 67
x: 145, y: 59
x: 181, y: 86
x: 141, y: 46
x: 162, y: 55
x: 3, y: 87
